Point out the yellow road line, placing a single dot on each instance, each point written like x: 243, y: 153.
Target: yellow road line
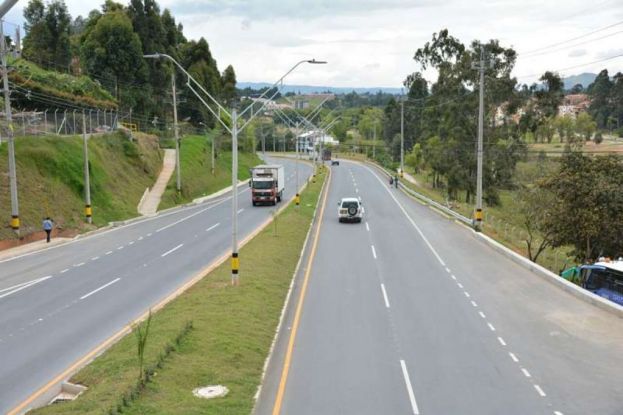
x: 299, y: 308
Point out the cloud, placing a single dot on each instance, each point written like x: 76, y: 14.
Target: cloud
x: 577, y: 53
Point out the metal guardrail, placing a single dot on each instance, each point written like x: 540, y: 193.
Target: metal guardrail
x: 427, y: 200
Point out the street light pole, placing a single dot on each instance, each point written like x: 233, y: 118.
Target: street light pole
x: 178, y: 168
x: 234, y: 130
x: 11, y: 140
x: 235, y: 261
x: 478, y: 214
x: 88, y: 212
x: 402, y: 137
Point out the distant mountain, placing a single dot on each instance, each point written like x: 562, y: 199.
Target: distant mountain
x: 584, y: 78
x: 309, y: 89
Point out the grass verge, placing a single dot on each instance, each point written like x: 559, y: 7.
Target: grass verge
x: 197, y: 180
x: 232, y: 330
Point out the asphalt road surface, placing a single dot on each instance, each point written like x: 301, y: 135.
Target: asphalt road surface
x: 409, y: 313
x: 58, y: 304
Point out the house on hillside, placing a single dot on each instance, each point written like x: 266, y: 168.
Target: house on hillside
x: 574, y: 104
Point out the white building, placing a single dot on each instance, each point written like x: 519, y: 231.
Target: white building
x: 309, y: 140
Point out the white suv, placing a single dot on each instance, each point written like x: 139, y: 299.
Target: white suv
x: 350, y: 210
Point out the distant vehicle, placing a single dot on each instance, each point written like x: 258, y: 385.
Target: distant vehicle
x: 604, y: 279
x: 326, y: 154
x: 335, y: 162
x: 350, y: 210
x: 267, y: 184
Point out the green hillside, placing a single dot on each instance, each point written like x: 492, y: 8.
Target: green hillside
x: 50, y: 179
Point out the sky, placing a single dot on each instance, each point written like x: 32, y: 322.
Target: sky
x: 371, y: 43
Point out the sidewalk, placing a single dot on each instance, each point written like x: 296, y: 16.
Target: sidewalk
x: 149, y: 204
x: 31, y: 247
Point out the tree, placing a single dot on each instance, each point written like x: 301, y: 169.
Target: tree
x: 532, y: 202
x: 228, y: 86
x: 577, y: 89
x: 585, y: 125
x: 414, y: 158
x: 550, y: 97
x: 601, y: 105
x: 565, y: 125
x: 47, y: 41
x: 587, y: 207
x: 102, y: 56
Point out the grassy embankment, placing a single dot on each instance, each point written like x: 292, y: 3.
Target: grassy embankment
x: 197, y: 179
x: 50, y: 179
x: 233, y: 328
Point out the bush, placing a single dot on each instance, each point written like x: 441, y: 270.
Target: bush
x: 598, y: 138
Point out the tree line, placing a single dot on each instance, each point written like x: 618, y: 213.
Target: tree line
x: 108, y: 45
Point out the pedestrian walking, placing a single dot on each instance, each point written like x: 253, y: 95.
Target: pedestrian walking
x: 396, y: 182
x: 48, y: 225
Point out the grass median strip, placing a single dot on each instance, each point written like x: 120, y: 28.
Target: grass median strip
x: 232, y: 330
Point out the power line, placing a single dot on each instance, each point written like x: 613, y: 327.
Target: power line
x: 532, y: 55
x: 572, y: 39
x: 572, y: 67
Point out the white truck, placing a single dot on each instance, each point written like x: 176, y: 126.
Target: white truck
x: 267, y: 184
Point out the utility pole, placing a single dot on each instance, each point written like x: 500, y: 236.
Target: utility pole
x: 402, y: 136
x: 88, y: 212
x: 212, y: 155
x: 235, y: 261
x: 11, y: 140
x: 374, y: 142
x: 481, y: 66
x: 177, y: 137
x: 297, y: 199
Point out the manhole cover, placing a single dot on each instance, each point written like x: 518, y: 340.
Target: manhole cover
x: 209, y: 392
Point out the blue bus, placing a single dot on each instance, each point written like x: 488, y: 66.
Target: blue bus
x: 604, y: 279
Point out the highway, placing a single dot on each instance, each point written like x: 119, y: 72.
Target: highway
x: 58, y: 304
x: 409, y: 313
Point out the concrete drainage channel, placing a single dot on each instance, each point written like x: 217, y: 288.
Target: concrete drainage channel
x: 210, y: 392
x: 68, y: 392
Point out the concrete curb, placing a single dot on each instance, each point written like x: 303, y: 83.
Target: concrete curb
x: 535, y: 268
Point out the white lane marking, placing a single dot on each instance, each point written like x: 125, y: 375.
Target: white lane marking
x: 120, y: 248
x: 367, y: 227
x: 474, y: 303
x: 19, y: 287
x: 512, y: 355
x: 405, y: 374
x: 448, y: 270
x: 212, y: 227
x: 453, y: 277
x: 417, y: 228
x: 385, y: 295
x: 240, y: 211
x: 172, y: 250
x: 373, y: 251
x: 140, y: 238
x: 149, y: 234
x: 491, y: 327
x: 501, y: 340
x: 109, y: 252
x: 466, y: 294
x: 65, y: 270
x: 131, y: 243
x: 79, y: 265
x: 540, y: 391
x: 95, y: 258
x: 356, y: 190
x: 558, y: 413
x: 100, y: 288
x: 526, y: 373
x: 482, y: 314
x: 459, y: 284
x: 181, y: 220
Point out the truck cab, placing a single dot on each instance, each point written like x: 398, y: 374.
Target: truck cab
x: 267, y: 184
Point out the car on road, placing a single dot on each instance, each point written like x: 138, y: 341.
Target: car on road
x: 350, y: 209
x: 335, y: 162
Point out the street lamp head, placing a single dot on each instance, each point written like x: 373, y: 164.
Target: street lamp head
x: 315, y: 62
x: 152, y: 56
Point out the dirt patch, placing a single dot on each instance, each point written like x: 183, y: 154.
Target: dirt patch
x: 36, y: 236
